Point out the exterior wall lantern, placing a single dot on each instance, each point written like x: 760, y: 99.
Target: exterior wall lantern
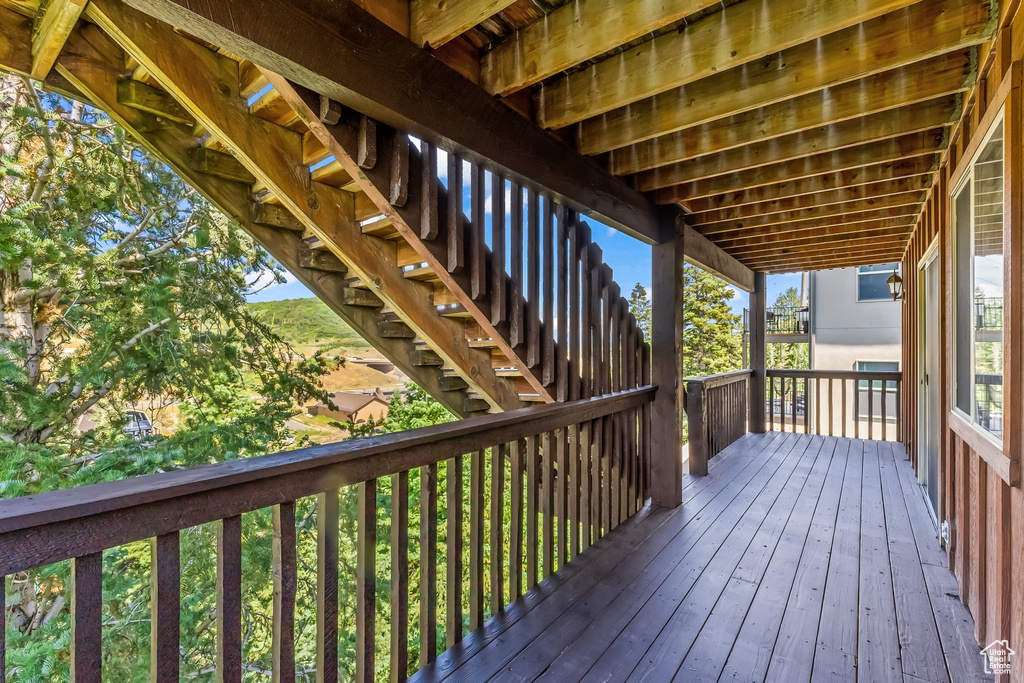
x: 895, y: 283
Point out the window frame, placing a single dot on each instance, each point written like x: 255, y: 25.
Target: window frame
x: 964, y: 181
x: 887, y: 297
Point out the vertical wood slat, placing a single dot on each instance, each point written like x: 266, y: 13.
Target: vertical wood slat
x: 476, y: 540
x: 428, y: 564
x: 831, y: 409
x: 884, y: 415
x: 842, y: 400
x: 574, y: 488
x: 646, y: 376
x: 516, y: 331
x: 533, y: 488
x: 585, y: 487
x: 550, y: 292
x: 515, y: 531
x: 453, y: 611
x: 560, y: 489
x: 499, y: 294
x: 400, y: 576
x: 428, y: 191
x: 575, y: 312
x: 533, y: 257
x: 284, y: 570
x: 86, y: 618
x: 327, y: 532
x: 477, y: 242
x: 229, y: 600
x: 497, y: 528
x: 548, y: 504
x: 398, y: 193
x: 562, y: 267
x: 165, y: 599
x: 771, y: 404
x: 455, y: 226
x: 871, y: 411
x: 366, y: 580
x: 586, y: 332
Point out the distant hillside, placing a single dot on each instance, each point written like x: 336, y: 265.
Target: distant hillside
x: 305, y: 322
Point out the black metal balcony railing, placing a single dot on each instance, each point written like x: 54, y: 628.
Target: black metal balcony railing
x: 787, y: 320
x: 988, y: 313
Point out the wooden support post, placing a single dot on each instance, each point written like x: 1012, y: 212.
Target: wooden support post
x: 757, y: 354
x: 667, y: 364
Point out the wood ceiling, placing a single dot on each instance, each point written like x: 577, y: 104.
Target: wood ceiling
x: 796, y: 134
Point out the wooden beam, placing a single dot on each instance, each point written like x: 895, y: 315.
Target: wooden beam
x: 929, y: 143
x: 861, y: 133
x: 738, y: 35
x: 702, y: 252
x: 826, y: 238
x: 206, y: 85
x: 817, y: 260
x: 87, y: 66
x: 872, y: 192
x: 854, y: 261
x: 337, y: 49
x: 667, y: 302
x: 15, y: 42
x: 910, y: 201
x: 923, y: 30
x: 434, y: 22
x: 922, y: 165
x: 921, y: 82
x: 808, y: 226
x: 575, y: 33
x: 58, y: 21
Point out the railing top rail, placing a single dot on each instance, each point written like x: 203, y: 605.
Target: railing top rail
x: 99, y: 516
x: 711, y: 381
x: 888, y: 375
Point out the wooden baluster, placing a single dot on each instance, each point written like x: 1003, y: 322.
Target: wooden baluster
x: 871, y: 409
x: 561, y: 504
x: 284, y: 569
x: 807, y: 406
x: 400, y: 576
x: 399, y: 184
x: 533, y: 348
x: 831, y: 429
x: 771, y: 404
x: 499, y: 294
x: 586, y: 311
x: 533, y: 490
x: 165, y: 600
x: 856, y: 409
x: 550, y: 292
x: 515, y: 522
x: 573, y: 486
x: 476, y: 540
x: 327, y: 512
x: 611, y: 348
x: 229, y: 600
x: 428, y: 564
x: 455, y: 220
x: 366, y: 580
x: 576, y: 254
x: 645, y: 355
x: 564, y: 253
x: 899, y: 415
x: 86, y: 618
x: 517, y: 330
x: 453, y: 595
x: 596, y: 388
x: 842, y: 399
x: 428, y: 191
x: 883, y: 411
x: 793, y: 406
x: 548, y: 503
x: 585, y: 486
x: 477, y: 234
x: 497, y: 528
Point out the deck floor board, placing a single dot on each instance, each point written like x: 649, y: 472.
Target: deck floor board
x: 797, y: 558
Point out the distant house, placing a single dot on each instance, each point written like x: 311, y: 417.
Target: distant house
x: 353, y: 405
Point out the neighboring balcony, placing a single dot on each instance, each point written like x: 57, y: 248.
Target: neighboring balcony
x: 784, y: 324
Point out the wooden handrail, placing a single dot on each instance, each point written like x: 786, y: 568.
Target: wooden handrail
x: 886, y: 375
x: 58, y: 525
x: 716, y: 411
x: 710, y: 381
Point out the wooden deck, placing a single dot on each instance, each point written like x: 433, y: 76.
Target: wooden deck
x: 797, y: 558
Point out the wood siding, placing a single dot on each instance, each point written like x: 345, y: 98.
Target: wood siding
x: 980, y: 495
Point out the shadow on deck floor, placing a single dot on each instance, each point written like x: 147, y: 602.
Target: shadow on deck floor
x: 797, y: 558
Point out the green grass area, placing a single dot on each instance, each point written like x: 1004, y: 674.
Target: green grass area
x: 305, y: 322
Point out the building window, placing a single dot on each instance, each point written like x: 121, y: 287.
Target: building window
x: 870, y: 394
x: 871, y: 282
x: 979, y: 287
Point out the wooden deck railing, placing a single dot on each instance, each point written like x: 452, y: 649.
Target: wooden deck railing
x: 716, y: 413
x: 527, y: 490
x: 835, y: 402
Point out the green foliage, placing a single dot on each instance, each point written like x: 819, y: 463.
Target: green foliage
x: 307, y: 321
x: 640, y: 307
